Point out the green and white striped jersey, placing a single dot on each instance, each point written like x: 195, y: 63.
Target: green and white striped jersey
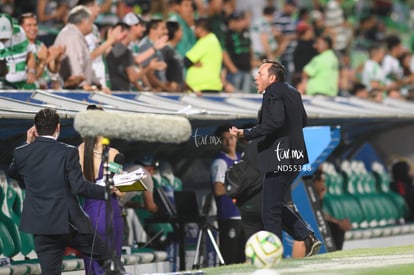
x: 15, y: 51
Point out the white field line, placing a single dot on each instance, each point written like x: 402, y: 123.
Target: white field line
x: 351, y: 264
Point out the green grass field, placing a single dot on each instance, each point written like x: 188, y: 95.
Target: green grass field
x: 378, y: 261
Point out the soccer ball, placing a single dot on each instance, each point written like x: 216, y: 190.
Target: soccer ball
x: 264, y: 249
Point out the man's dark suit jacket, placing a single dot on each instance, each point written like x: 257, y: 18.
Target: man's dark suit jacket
x: 52, y: 176
x: 278, y: 143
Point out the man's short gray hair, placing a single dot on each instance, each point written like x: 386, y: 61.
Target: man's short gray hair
x: 78, y: 14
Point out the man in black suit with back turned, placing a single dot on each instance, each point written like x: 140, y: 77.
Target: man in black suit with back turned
x: 278, y: 149
x: 51, y: 174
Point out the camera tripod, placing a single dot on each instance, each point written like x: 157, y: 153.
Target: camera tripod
x: 206, y: 230
x: 113, y: 265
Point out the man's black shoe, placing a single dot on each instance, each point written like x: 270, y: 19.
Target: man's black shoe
x: 313, y: 245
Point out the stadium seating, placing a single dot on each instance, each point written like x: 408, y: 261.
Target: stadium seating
x: 383, y: 186
x: 15, y: 205
x: 339, y: 203
x: 11, y: 238
x: 364, y: 198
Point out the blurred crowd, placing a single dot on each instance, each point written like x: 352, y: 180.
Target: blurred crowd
x: 329, y: 47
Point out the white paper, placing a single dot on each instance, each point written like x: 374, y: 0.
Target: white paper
x: 129, y: 178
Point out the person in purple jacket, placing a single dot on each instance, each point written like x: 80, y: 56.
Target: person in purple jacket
x: 231, y: 233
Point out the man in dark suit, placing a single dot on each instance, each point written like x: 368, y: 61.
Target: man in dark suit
x: 278, y: 149
x: 51, y: 174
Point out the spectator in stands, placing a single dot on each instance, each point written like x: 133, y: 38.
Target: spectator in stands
x: 360, y: 90
x: 218, y: 11
x: 134, y: 200
x: 303, y: 15
x: 174, y: 71
x: 204, y: 60
x: 201, y: 7
x: 403, y: 184
x: 47, y: 59
x: 253, y: 9
x: 159, y: 231
x: 18, y: 7
x: 285, y: 23
x: 376, y: 95
x: 3, y: 72
x: 14, y: 48
x: 405, y: 60
x: 338, y: 27
x: 138, y: 28
x: 77, y: 61
x: 156, y: 30
x: 29, y: 24
x: 382, y: 7
x: 318, y: 23
x: 391, y: 65
x: 53, y: 12
x: 166, y: 171
x: 373, y: 75
x: 121, y: 67
x: 185, y: 17
x: 97, y: 47
x: 238, y: 54
x: 322, y: 72
x: 338, y: 227
x: 370, y: 32
x: 147, y: 199
x: 347, y: 74
x: 109, y: 14
x: 52, y: 15
x: 405, y: 63
x: 304, y: 51
x: 264, y: 44
x: 159, y: 8
x: 231, y: 234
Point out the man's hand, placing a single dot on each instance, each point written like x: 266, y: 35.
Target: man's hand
x: 106, y: 90
x: 118, y: 193
x: 42, y: 54
x: 161, y: 42
x: 74, y: 80
x: 31, y: 134
x: 236, y: 132
x: 344, y: 224
x: 228, y: 87
x: 31, y: 77
x: 115, y: 35
x: 198, y: 64
x: 157, y: 65
x: 56, y: 52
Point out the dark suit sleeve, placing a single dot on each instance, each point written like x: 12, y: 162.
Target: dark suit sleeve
x: 305, y: 118
x: 273, y: 117
x: 78, y: 184
x: 13, y: 172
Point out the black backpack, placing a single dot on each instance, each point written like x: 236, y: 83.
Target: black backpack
x: 243, y: 181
